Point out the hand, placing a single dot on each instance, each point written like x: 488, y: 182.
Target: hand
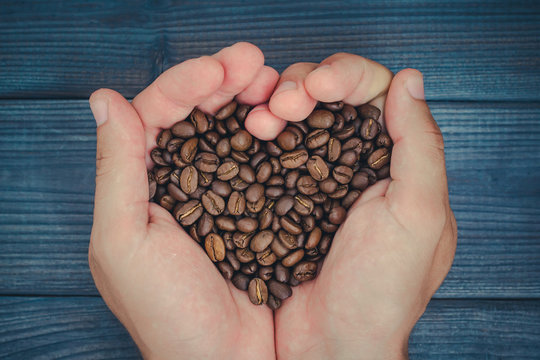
x: 152, y: 275
x: 399, y: 239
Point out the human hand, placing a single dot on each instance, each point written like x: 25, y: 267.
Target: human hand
x: 152, y: 275
x: 399, y: 239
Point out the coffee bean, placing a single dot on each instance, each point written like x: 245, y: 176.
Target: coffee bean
x: 340, y: 192
x: 354, y: 144
x: 339, y: 124
x: 272, y: 149
x: 167, y: 202
x: 281, y: 273
x: 258, y: 292
x: 283, y: 205
x: 303, y: 204
x: 328, y: 227
x: 314, y: 238
x: 221, y: 188
x: 206, y: 162
x: 261, y: 240
x: 370, y: 129
x: 189, y: 179
x: 225, y: 223
x: 226, y: 269
x: 245, y: 255
x: 367, y: 149
x: 317, y: 167
x: 317, y: 138
x: 183, y: 129
x: 291, y: 178
x: 186, y: 214
x: 293, y: 281
x: 162, y: 175
x: 383, y: 172
x: 372, y: 176
x: 293, y: 159
x: 226, y: 111
x: 279, y: 289
x: 321, y: 119
x: 304, y: 271
x: 274, y: 192
x: 273, y: 303
x: 308, y: 223
x: 293, y: 258
x: 152, y: 185
x: 241, y: 141
x: 368, y: 111
x: 257, y: 159
x: 249, y: 269
x: 163, y: 138
x: 266, y: 257
x: 240, y: 281
x: 237, y: 203
x: 276, y: 166
x: 379, y: 158
x: 265, y: 218
x: 241, y: 111
x: 334, y: 106
x: 337, y: 215
x: 247, y: 174
x: 334, y: 149
x: 238, y: 184
x: 290, y: 226
x: 350, y: 198
x: 383, y: 140
x: 232, y: 124
x: 205, y: 224
x: 295, y: 216
x: 349, y: 113
x: 189, y: 149
x: 241, y: 240
x: 231, y: 258
x: 307, y: 185
x: 266, y: 272
x: 342, y: 174
x: 227, y: 170
x: 278, y: 247
x: 257, y: 206
x: 215, y: 247
x: 287, y: 140
x: 348, y: 158
x: 213, y: 203
x: 328, y: 186
x: 247, y: 225
x: 156, y: 156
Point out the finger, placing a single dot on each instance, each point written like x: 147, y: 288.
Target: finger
x: 290, y: 101
x: 417, y: 168
x: 262, y: 124
x: 121, y: 199
x: 261, y: 87
x: 348, y: 77
x: 241, y: 63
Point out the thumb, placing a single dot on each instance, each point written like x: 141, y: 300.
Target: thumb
x: 121, y: 199
x: 418, y: 193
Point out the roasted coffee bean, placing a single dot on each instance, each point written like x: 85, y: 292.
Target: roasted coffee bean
x: 167, y: 157
x: 293, y: 258
x: 383, y: 140
x: 290, y: 226
x: 213, y: 203
x: 274, y: 192
x: 152, y: 185
x: 197, y: 194
x: 304, y: 271
x: 283, y: 205
x: 273, y: 303
x: 221, y: 188
x: 318, y: 213
x: 266, y: 272
x: 241, y: 111
x: 348, y: 158
x: 278, y: 247
x: 232, y: 125
x: 328, y: 186
x: 378, y: 158
x: 372, y: 176
x: 162, y: 175
x: 342, y: 174
x: 186, y: 214
x: 314, y: 238
x: 192, y: 231
x: 226, y: 111
x: 294, y: 216
x: 308, y: 223
x: 281, y: 273
x: 293, y: 281
x: 303, y: 205
x: 354, y: 144
x: 334, y: 149
x: 205, y: 179
x: 238, y: 184
x: 199, y: 120
x: 160, y: 191
x: 261, y: 240
x: 225, y: 223
x: 177, y: 160
x: 307, y: 185
x: 319, y: 197
x: 291, y: 178
x: 272, y: 149
x: 328, y: 227
x: 287, y: 140
x: 367, y: 149
x: 266, y: 257
x: 317, y: 138
x: 265, y: 218
x: 340, y: 192
x: 298, y: 132
x: 276, y: 166
x: 264, y: 171
x: 241, y: 141
x: 247, y: 174
x: 360, y: 181
x: 349, y: 113
x: 247, y: 225
x: 189, y: 150
x: 233, y: 260
x: 240, y: 157
x: 368, y: 111
x: 279, y: 289
x: 226, y: 269
x: 321, y: 151
x: 370, y: 129
x: 249, y: 269
x: 167, y: 202
x: 223, y: 148
x: 325, y: 243
x: 189, y: 179
x: 339, y: 124
x: 206, y: 162
x: 255, y: 207
x: 337, y: 215
x: 241, y: 281
x: 163, y: 138
x: 237, y: 203
x: 350, y: 198
x: 241, y: 240
x: 227, y: 170
x: 383, y: 172
x: 321, y: 119
x: 257, y: 159
x: 257, y: 291
x: 156, y: 156
x: 345, y: 133
x: 317, y: 167
x: 245, y: 255
x: 183, y: 129
x: 215, y: 247
x: 334, y: 106
x: 205, y: 224
x: 293, y: 159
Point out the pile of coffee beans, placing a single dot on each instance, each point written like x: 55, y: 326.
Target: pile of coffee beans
x: 266, y: 211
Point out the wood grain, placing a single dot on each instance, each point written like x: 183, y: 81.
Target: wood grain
x: 47, y: 150
x: 468, y: 50
x: 83, y: 328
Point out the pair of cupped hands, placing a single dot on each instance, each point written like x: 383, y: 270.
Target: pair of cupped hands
x: 386, y: 261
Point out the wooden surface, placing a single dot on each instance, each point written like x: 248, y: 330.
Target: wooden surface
x: 481, y: 62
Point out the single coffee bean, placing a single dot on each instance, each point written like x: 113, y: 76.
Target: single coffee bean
x: 378, y: 158
x: 367, y: 148
x: 239, y: 156
x: 303, y: 204
x: 274, y: 192
x: 337, y: 215
x: 189, y: 179
x: 272, y: 149
x: 232, y: 124
x: 321, y: 151
x: 257, y: 206
x: 317, y: 168
x: 192, y: 231
x: 241, y: 141
x: 293, y: 258
x: 227, y: 170
x: 360, y: 181
x: 221, y: 188
x: 279, y: 289
x: 345, y: 133
x: 237, y: 203
x: 349, y: 113
x: 257, y: 159
x: 308, y: 223
x: 334, y: 149
x: 247, y: 225
x: 212, y: 137
x: 317, y: 138
x: 213, y: 203
x: 278, y: 247
x: 205, y: 146
x: 189, y: 150
x: 205, y: 224
x: 247, y: 174
x: 183, y: 129
x: 245, y: 255
x: 205, y: 179
x: 152, y: 185
x: 293, y: 159
x: 223, y: 148
x: 314, y: 238
x: 238, y: 184
x: 354, y: 144
x: 291, y: 178
x: 199, y: 120
x: 290, y: 226
x: 257, y: 291
x: 325, y: 243
x: 226, y: 111
x: 163, y: 138
x: 318, y: 213
x: 265, y: 218
x: 304, y: 271
x: 339, y: 124
x: 383, y: 172
x: 281, y: 273
x: 293, y: 281
x: 334, y: 106
x: 328, y: 227
x: 206, y: 162
x: 264, y: 171
x: 307, y: 185
x: 261, y: 240
x: 283, y: 205
x: 273, y: 303
x: 215, y: 247
x: 156, y: 156
x: 350, y: 198
x: 275, y: 180
x: 162, y: 175
x: 287, y: 140
x: 370, y: 129
x: 276, y: 166
x: 348, y: 158
x: 294, y: 216
x: 249, y: 269
x: 342, y: 174
x: 226, y: 269
x: 177, y: 160
x: 266, y: 272
x: 167, y: 202
x: 372, y: 176
x: 340, y: 192
x: 225, y: 223
x: 321, y: 119
x: 241, y: 111
x: 231, y: 258
x: 186, y: 214
x: 240, y: 281
x: 368, y: 111
x: 319, y: 197
x: 383, y: 140
x: 266, y: 257
x: 241, y: 240
x: 174, y: 145
x: 298, y: 133
x: 328, y: 185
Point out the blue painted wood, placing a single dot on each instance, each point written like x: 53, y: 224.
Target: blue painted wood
x: 47, y: 151
x: 83, y: 328
x: 470, y: 50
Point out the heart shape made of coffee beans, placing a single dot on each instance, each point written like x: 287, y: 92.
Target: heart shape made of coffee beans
x: 266, y: 211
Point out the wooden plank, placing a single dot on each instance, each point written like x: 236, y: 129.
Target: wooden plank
x: 493, y: 158
x: 83, y: 328
x: 467, y: 50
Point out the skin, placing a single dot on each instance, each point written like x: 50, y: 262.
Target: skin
x: 387, y: 259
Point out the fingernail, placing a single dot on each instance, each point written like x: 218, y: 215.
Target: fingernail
x: 99, y: 107
x: 286, y: 86
x: 415, y: 86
